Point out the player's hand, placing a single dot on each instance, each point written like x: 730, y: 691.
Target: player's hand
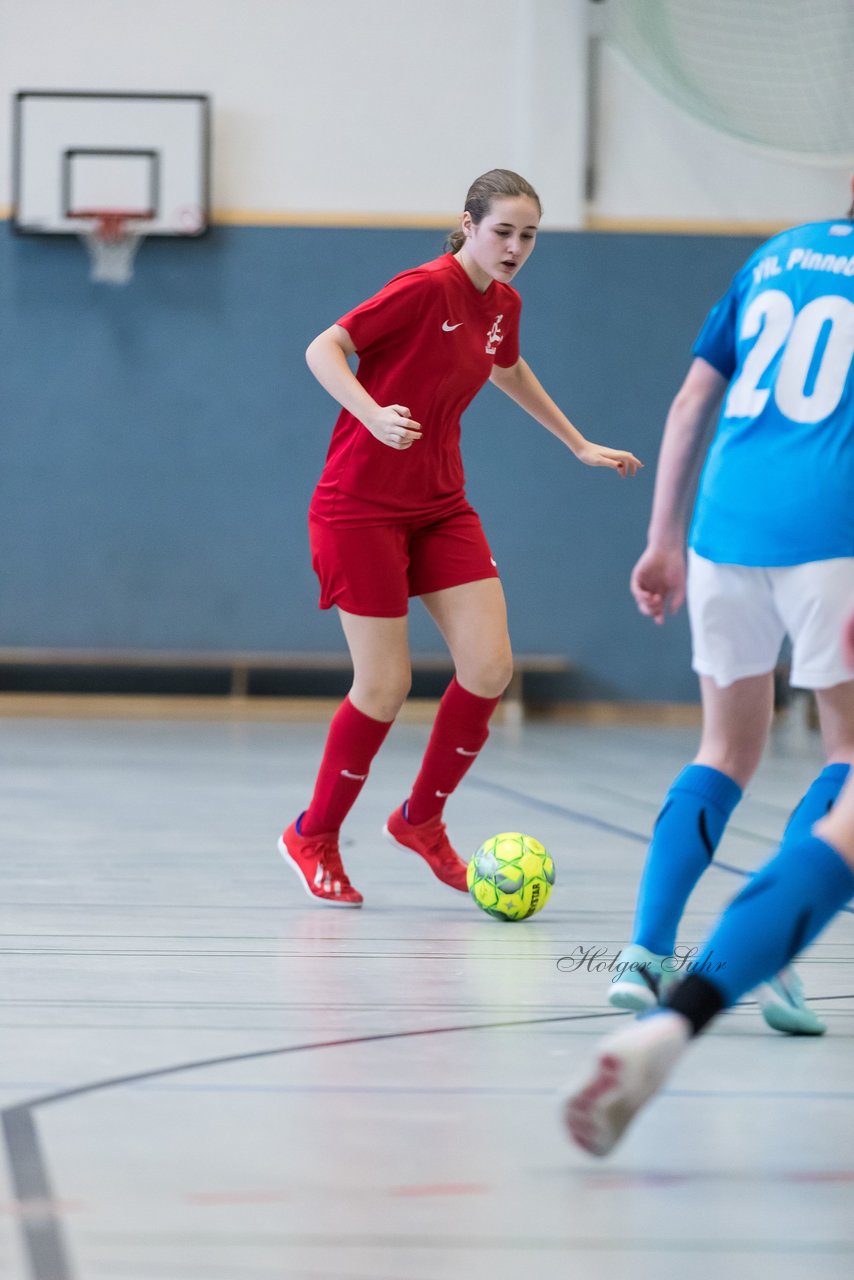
x: 658, y: 583
x: 599, y: 455
x: 393, y: 426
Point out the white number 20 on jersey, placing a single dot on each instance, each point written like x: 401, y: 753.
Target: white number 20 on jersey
x: 772, y: 316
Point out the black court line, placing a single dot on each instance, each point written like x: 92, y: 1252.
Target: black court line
x: 43, y: 1239
x: 44, y: 1243
x: 600, y: 824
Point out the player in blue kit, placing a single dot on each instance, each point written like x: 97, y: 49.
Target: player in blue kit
x: 771, y: 553
x: 779, y: 912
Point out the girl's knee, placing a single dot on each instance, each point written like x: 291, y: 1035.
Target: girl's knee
x: 489, y: 676
x: 740, y: 765
x: 381, y: 697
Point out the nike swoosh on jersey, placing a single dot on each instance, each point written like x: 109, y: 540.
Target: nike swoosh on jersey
x: 449, y: 328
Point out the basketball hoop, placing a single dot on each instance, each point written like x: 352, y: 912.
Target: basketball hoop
x: 112, y: 243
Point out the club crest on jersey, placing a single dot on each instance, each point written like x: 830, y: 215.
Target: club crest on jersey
x: 494, y: 336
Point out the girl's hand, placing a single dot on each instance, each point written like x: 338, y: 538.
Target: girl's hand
x: 658, y: 583
x: 599, y: 455
x: 393, y: 426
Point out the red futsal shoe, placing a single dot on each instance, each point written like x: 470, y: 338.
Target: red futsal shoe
x: 317, y: 862
x: 430, y: 841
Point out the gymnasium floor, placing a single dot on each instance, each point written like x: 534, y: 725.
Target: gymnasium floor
x: 204, y: 1077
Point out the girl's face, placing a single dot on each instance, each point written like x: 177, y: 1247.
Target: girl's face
x: 497, y: 246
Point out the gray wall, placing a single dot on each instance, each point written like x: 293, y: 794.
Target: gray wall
x: 160, y: 441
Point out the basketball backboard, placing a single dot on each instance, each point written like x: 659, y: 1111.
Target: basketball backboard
x: 78, y: 156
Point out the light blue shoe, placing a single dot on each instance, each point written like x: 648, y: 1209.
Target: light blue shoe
x: 784, y: 1008
x: 641, y: 982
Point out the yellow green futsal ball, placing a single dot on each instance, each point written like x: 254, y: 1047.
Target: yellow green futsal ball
x: 511, y: 876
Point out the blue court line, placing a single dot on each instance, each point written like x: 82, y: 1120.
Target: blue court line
x: 588, y: 820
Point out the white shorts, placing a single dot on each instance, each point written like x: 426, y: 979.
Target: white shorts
x: 740, y: 615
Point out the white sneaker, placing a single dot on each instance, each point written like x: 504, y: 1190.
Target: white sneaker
x: 784, y: 1007
x: 631, y: 1066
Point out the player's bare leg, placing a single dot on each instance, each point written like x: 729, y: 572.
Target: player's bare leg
x: 736, y: 724
x: 382, y: 674
x: 473, y: 621
x: 836, y: 720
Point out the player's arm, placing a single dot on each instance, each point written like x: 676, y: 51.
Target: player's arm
x: 522, y: 385
x: 327, y: 358
x: 658, y: 578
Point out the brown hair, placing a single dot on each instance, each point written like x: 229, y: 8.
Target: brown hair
x: 496, y: 184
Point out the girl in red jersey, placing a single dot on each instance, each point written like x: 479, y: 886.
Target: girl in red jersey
x: 389, y: 520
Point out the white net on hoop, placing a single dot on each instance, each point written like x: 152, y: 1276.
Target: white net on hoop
x: 778, y: 74
x: 111, y: 244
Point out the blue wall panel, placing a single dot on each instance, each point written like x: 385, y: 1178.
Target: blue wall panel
x: 160, y: 441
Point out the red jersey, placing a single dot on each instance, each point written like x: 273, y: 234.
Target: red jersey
x: 428, y: 340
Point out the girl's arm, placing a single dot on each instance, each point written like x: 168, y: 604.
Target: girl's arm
x: 680, y: 452
x: 521, y: 385
x: 658, y: 578
x: 326, y: 356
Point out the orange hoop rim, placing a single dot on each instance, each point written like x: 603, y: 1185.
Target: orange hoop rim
x: 111, y: 225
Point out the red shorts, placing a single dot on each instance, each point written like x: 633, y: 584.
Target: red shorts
x: 372, y: 570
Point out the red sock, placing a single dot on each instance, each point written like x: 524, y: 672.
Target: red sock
x: 351, y: 744
x: 459, y: 732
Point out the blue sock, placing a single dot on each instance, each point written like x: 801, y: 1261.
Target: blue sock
x: 818, y: 800
x: 687, y: 833
x: 778, y: 913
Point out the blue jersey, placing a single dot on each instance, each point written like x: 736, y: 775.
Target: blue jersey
x: 777, y: 487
